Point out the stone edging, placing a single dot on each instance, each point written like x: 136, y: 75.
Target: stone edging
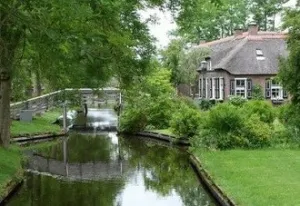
x: 37, y: 137
x: 11, y: 188
x: 164, y: 137
x: 216, y: 192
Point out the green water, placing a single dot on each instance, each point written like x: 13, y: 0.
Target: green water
x: 106, y: 170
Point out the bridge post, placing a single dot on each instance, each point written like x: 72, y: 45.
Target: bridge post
x: 65, y: 117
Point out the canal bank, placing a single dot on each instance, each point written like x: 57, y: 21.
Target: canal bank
x: 219, y: 195
x: 114, y: 170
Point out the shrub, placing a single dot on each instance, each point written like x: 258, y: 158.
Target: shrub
x: 185, y: 121
x: 257, y: 93
x: 225, y: 118
x: 263, y: 109
x: 205, y: 104
x: 133, y: 120
x: 237, y: 100
x: 257, y: 132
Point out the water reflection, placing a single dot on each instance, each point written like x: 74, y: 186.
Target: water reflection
x: 107, y: 170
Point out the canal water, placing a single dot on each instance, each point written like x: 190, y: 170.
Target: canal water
x: 109, y: 170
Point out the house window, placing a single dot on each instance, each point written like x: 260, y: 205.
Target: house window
x: 274, y: 90
x: 241, y: 87
x: 259, y: 55
x: 211, y: 88
x: 217, y: 88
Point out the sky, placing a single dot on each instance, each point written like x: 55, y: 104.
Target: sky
x: 165, y: 24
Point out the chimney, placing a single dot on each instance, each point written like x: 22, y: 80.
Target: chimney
x: 253, y: 29
x: 238, y: 32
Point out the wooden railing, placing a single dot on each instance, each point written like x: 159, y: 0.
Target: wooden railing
x: 42, y: 103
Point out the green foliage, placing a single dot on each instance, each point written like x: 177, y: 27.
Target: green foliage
x: 149, y: 102
x: 217, y: 21
x: 205, y: 104
x: 229, y: 126
x: 256, y: 132
x: 185, y: 121
x: 263, y: 109
x: 237, y: 100
x: 289, y: 67
x: 225, y: 118
x: 257, y: 92
x: 182, y: 62
x: 264, y: 11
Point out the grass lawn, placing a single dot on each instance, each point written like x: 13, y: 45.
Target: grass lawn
x: 10, y: 165
x: 256, y: 177
x: 40, y: 124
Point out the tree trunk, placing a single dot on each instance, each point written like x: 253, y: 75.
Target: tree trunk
x: 38, y: 83
x: 5, y: 92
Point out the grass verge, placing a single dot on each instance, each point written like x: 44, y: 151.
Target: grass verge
x: 255, y: 177
x: 40, y: 124
x: 10, y: 168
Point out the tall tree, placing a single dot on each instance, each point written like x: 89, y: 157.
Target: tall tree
x: 264, y: 12
x: 201, y: 20
x: 290, y: 67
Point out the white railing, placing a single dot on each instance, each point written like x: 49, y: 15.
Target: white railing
x: 42, y: 103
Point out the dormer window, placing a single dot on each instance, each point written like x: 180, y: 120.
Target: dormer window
x: 259, y: 55
x: 208, y: 60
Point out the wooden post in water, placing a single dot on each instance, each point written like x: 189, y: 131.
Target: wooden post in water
x: 65, y: 117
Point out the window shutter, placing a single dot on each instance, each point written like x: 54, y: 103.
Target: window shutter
x: 249, y: 88
x: 232, y: 87
x: 285, y: 94
x: 204, y: 88
x: 268, y: 89
x: 210, y: 87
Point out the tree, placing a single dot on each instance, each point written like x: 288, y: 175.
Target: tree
x: 264, y: 12
x: 201, y: 20
x: 170, y: 59
x: 189, y: 63
x: 50, y: 40
x: 289, y: 73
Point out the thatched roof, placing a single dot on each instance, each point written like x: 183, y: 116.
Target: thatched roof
x: 238, y: 55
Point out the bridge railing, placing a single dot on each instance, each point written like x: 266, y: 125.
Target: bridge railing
x: 42, y: 103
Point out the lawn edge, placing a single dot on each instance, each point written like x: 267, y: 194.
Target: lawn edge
x: 213, y: 188
x: 43, y: 136
x: 164, y: 137
x: 12, y: 186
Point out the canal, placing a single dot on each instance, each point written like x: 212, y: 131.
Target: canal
x: 101, y: 168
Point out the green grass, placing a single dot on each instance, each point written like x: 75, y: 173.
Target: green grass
x: 10, y: 167
x: 164, y: 131
x: 256, y: 177
x: 40, y: 124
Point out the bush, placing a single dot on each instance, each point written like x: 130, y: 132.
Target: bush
x: 133, y: 120
x: 185, y: 121
x: 263, y: 109
x: 256, y: 132
x: 237, y: 100
x: 205, y: 104
x: 225, y: 118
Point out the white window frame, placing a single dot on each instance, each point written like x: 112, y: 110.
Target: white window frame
x: 236, y: 88
x: 221, y: 83
x: 280, y: 91
x: 213, y: 96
